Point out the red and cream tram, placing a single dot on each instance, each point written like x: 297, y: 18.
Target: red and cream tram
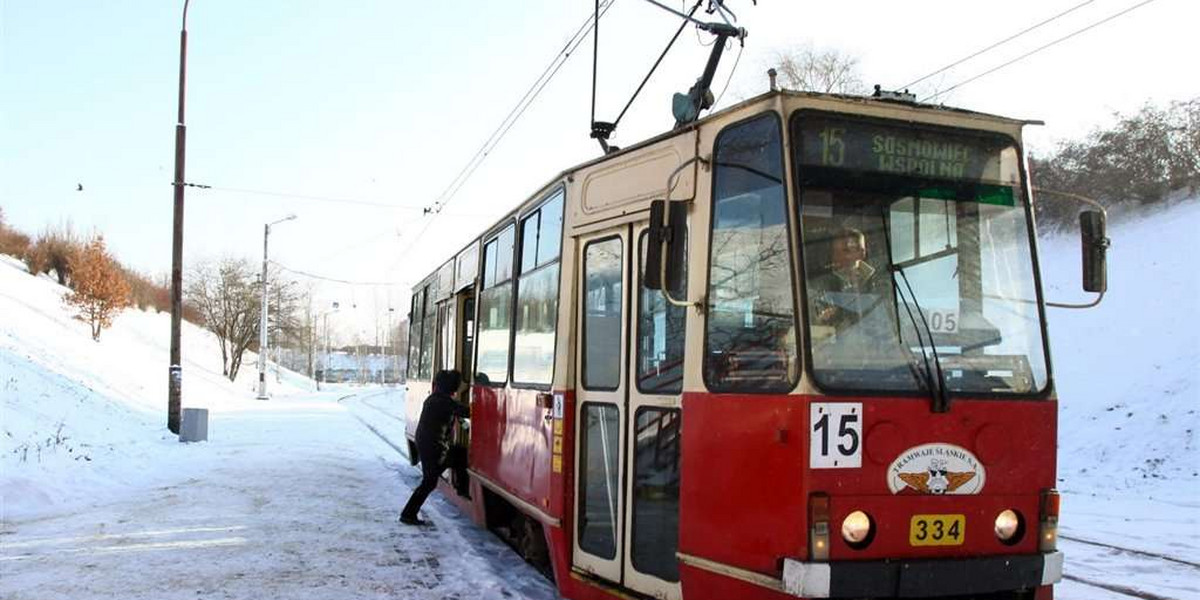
x: 794, y: 349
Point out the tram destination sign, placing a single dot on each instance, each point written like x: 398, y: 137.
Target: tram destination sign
x: 877, y: 147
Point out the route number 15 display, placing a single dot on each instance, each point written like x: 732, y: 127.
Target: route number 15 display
x: 835, y: 435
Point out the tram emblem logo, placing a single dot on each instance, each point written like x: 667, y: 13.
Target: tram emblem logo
x: 936, y: 469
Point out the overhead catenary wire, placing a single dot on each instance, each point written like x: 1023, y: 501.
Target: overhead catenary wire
x: 997, y: 44
x: 336, y: 280
x: 1037, y: 50
x: 313, y: 198
x: 522, y: 105
x: 517, y: 110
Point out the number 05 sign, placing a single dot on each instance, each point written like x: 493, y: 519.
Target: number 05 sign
x: 835, y: 436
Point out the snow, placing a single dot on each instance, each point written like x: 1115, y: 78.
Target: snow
x: 290, y: 498
x: 1128, y: 380
x: 296, y: 497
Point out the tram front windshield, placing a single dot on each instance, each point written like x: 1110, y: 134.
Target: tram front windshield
x: 918, y: 264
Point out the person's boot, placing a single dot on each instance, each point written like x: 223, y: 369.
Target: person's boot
x: 414, y: 521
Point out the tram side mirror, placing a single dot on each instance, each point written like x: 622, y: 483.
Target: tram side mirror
x: 665, y: 242
x: 1095, y: 250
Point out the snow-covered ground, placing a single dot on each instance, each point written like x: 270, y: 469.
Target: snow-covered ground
x: 296, y: 497
x: 291, y: 498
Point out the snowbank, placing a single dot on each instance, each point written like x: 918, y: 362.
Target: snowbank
x: 82, y: 418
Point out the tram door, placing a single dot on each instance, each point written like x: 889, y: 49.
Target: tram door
x: 627, y: 420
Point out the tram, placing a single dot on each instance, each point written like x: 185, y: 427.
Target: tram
x: 796, y: 348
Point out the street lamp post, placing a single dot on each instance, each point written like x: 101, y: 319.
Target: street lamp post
x: 262, y: 326
x: 325, y: 368
x: 391, y: 340
x: 175, y: 370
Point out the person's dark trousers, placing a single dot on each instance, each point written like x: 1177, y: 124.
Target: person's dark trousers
x: 430, y: 474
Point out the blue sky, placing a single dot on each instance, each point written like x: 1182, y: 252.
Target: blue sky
x: 386, y: 102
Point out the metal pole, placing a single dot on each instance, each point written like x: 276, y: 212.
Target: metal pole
x: 175, y: 369
x: 326, y: 374
x: 262, y: 324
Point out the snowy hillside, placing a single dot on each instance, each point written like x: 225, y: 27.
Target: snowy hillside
x: 68, y: 400
x: 1128, y: 379
x: 1128, y: 371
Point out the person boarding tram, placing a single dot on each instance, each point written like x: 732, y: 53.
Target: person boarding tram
x: 433, y: 439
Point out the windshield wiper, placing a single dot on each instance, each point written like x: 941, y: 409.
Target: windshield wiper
x: 941, y: 396
x: 924, y: 376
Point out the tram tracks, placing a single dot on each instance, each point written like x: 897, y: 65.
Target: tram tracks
x: 381, y: 436
x: 384, y: 412
x: 363, y: 400
x: 1131, y: 551
x: 1119, y: 589
x: 1096, y: 564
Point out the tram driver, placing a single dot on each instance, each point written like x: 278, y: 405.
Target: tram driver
x: 850, y: 288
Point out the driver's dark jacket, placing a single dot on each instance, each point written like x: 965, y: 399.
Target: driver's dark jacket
x: 870, y: 283
x: 433, y: 428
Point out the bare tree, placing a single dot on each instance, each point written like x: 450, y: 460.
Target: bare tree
x: 819, y: 70
x: 226, y: 296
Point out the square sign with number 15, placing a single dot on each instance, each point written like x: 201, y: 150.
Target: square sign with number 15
x: 835, y: 435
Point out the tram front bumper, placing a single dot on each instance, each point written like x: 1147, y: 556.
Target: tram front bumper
x: 921, y: 578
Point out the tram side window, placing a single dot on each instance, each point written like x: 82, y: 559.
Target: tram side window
x: 600, y: 438
x: 661, y: 336
x: 656, y: 478
x: 750, y: 336
x: 537, y: 295
x: 428, y: 333
x: 495, y: 309
x: 446, y: 335
x: 414, y: 337
x: 603, y: 293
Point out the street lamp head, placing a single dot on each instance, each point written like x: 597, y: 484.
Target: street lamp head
x: 287, y: 218
x: 335, y: 306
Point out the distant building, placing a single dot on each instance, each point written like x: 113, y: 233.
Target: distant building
x: 347, y: 366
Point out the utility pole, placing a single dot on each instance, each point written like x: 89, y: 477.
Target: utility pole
x: 175, y: 370
x: 263, y: 348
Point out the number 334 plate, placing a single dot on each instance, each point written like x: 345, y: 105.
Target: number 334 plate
x: 835, y: 435
x: 937, y: 530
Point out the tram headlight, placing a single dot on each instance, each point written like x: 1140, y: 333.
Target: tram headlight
x: 856, y: 529
x: 1009, y: 526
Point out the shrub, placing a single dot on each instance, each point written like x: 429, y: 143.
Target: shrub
x: 54, y: 250
x: 100, y: 290
x: 1142, y: 160
x: 12, y: 242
